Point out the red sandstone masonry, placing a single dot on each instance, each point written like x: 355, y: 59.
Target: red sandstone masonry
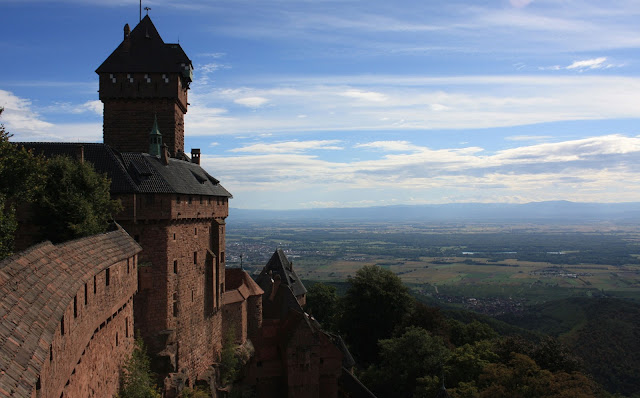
x: 182, y: 274
x: 71, y: 345
x: 132, y: 101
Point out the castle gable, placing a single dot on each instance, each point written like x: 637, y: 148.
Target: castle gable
x: 279, y: 264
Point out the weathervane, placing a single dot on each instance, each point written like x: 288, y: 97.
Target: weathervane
x: 147, y: 9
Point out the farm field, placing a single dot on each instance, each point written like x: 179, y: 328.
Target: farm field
x: 460, y: 264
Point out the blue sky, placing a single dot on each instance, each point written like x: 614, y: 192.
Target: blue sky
x: 301, y: 104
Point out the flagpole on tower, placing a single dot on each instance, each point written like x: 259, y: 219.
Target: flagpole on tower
x: 140, y: 10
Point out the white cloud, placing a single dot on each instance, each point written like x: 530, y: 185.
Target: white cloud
x: 210, y: 67
x: 27, y: 125
x: 364, y: 95
x: 290, y: 146
x: 93, y: 106
x: 586, y: 64
x: 603, y: 168
x: 212, y: 55
x: 415, y: 102
x: 595, y: 63
x: 389, y: 146
x: 439, y: 107
x: 251, y: 102
x: 18, y: 115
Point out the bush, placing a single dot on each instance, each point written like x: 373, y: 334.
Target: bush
x: 136, y: 379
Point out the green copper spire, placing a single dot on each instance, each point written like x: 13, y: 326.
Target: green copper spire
x: 155, y: 138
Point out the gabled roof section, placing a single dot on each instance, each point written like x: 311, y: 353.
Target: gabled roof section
x: 280, y: 264
x: 184, y: 177
x: 132, y: 172
x: 145, y: 51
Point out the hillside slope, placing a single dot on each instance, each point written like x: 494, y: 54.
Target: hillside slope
x: 604, y: 332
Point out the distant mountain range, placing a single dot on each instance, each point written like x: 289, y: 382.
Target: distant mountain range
x: 542, y: 212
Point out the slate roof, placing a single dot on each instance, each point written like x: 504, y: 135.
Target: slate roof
x: 132, y: 172
x: 278, y: 263
x: 145, y: 52
x: 283, y: 302
x: 36, y: 286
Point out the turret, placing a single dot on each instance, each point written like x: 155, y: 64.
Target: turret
x: 144, y: 77
x: 155, y: 139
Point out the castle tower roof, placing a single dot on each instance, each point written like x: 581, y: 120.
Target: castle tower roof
x: 279, y: 264
x: 155, y: 139
x: 143, y: 51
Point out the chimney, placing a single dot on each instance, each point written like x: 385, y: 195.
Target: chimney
x: 195, y: 155
x: 80, y: 153
x: 274, y: 287
x: 165, y: 155
x: 127, y: 34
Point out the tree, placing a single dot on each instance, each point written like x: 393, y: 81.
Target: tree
x: 521, y: 377
x: 374, y: 304
x: 404, y: 360
x: 8, y: 226
x: 461, y: 334
x: 74, y: 201
x: 428, y: 318
x: 467, y: 362
x: 229, y: 361
x: 322, y: 303
x: 136, y: 379
x: 21, y: 176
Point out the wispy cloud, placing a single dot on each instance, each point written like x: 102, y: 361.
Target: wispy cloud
x: 379, y: 103
x: 364, y: 95
x: 586, y: 170
x: 595, y: 63
x: 251, y: 102
x: 389, y: 146
x: 212, y: 55
x: 586, y: 64
x: 290, y: 146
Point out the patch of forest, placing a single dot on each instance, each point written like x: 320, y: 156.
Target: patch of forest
x: 603, y: 332
x: 405, y: 348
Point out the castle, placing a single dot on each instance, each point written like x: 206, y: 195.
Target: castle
x: 175, y: 288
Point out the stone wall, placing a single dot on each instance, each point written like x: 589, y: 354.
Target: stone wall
x: 86, y: 357
x: 177, y: 309
x: 69, y: 311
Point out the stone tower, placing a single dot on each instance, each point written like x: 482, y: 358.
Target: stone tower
x: 144, y: 77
